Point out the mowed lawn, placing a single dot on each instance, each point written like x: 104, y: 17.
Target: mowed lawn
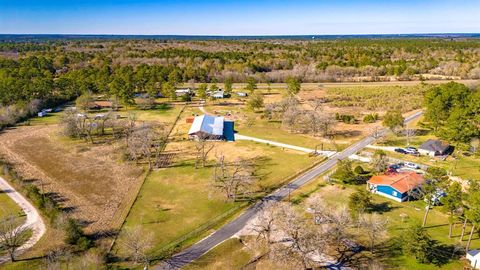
x: 162, y: 112
x: 177, y: 200
x: 232, y: 254
x: 8, y: 207
x: 273, y: 131
x: 437, y: 222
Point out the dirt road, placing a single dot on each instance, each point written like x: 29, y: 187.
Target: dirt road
x: 33, y: 222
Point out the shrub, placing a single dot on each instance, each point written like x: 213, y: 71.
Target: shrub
x: 345, y: 118
x: 418, y: 243
x: 186, y: 98
x: 359, y: 170
x: 344, y: 172
x: 370, y: 118
x: 74, y: 235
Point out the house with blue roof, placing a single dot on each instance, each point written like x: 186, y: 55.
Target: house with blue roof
x: 474, y: 257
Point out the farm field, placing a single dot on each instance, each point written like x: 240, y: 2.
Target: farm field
x: 351, y: 100
x: 92, y: 186
x: 90, y: 182
x: 176, y: 201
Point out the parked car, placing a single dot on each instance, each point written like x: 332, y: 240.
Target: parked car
x: 395, y: 166
x: 411, y: 151
x: 436, y: 197
x: 400, y: 150
x: 411, y: 165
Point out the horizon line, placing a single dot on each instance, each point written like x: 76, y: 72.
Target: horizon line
x: 241, y: 35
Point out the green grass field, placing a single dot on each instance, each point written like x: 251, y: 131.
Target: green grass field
x: 177, y: 200
x: 272, y: 131
x: 437, y: 222
x: 8, y: 206
x: 162, y: 112
x: 232, y: 253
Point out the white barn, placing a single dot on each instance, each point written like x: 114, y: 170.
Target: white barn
x: 207, y: 127
x: 474, y: 257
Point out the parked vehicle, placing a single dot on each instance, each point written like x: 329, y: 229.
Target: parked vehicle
x: 411, y: 151
x: 411, y: 148
x: 400, y: 150
x: 411, y: 165
x: 395, y: 166
x: 436, y: 197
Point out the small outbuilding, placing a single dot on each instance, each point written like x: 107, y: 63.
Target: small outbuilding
x: 242, y: 94
x: 218, y: 94
x: 474, y: 257
x: 183, y: 92
x: 434, y: 148
x: 213, y: 128
x: 100, y: 104
x: 395, y: 186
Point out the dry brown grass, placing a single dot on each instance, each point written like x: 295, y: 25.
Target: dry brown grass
x: 89, y: 181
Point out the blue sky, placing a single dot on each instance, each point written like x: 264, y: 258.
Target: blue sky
x: 247, y: 17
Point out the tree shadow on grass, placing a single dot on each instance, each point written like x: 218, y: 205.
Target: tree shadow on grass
x: 163, y: 107
x: 383, y: 207
x: 104, y: 234
x: 390, y: 253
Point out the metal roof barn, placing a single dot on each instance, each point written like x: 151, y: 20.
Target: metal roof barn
x: 207, y: 124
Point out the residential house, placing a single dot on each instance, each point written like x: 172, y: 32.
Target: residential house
x: 183, y: 92
x: 434, y: 148
x: 474, y: 257
x: 210, y: 127
x: 395, y: 186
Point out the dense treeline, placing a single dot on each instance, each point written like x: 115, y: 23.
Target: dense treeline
x: 37, y: 74
x: 453, y: 111
x: 273, y: 60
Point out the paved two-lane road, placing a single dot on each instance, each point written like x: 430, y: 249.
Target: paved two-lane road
x: 195, y: 251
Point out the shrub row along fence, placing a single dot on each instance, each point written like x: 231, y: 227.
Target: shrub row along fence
x: 47, y: 205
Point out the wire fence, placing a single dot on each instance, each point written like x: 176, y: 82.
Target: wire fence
x: 174, y: 245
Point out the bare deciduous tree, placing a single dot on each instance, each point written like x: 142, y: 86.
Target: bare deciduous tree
x: 233, y: 178
x: 300, y: 241
x: 409, y: 134
x: 137, y: 242
x: 146, y: 142
x: 375, y: 228
x: 203, y: 147
x: 12, y: 235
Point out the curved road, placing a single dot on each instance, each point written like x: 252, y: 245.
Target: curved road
x: 33, y: 222
x: 198, y: 249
